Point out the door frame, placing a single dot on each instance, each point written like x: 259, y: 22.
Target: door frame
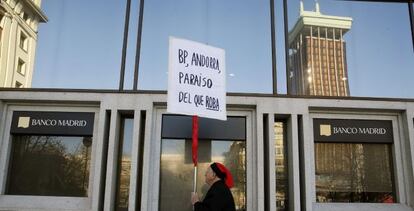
x: 152, y: 168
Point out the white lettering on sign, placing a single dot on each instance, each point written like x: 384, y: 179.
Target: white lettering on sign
x: 354, y: 130
x: 196, y: 79
x: 62, y: 123
x: 72, y: 123
x: 44, y: 122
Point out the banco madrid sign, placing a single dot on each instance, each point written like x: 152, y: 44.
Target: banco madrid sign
x: 52, y: 123
x: 352, y: 130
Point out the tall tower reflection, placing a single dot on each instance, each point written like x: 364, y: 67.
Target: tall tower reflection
x: 317, y: 54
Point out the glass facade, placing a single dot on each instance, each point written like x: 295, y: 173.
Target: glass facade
x: 306, y: 49
x: 354, y: 173
x: 80, y: 47
x: 240, y: 28
x: 49, y: 166
x: 176, y: 176
x: 345, y: 49
x: 349, y: 48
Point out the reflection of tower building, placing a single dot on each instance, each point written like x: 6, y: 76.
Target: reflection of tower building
x: 19, y: 22
x: 317, y: 55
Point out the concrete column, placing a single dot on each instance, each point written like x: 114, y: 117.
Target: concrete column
x: 32, y: 42
x: 335, y: 63
x: 148, y: 172
x: 303, y: 79
x: 111, y: 168
x: 258, y: 151
x: 7, y: 25
x: 134, y: 161
x: 344, y: 71
x: 312, y: 82
x: 408, y: 147
x: 2, y: 119
x: 98, y: 168
x: 272, y: 169
x: 327, y: 61
x: 11, y: 54
x: 293, y: 163
x: 308, y: 168
x: 320, y: 63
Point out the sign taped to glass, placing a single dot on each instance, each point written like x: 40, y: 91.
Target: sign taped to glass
x: 52, y: 123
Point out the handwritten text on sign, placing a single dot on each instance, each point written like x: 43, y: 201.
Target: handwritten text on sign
x: 196, y: 79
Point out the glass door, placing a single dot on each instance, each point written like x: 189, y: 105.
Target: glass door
x: 219, y: 141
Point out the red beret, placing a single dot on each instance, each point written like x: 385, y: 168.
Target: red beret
x: 223, y: 173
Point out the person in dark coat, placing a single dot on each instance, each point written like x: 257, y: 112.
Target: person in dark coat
x: 218, y: 197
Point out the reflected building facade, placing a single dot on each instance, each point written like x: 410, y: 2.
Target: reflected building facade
x: 19, y: 21
x: 59, y: 166
x: 281, y: 166
x: 317, y: 54
x: 135, y: 155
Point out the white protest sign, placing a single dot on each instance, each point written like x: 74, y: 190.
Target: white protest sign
x: 196, y: 79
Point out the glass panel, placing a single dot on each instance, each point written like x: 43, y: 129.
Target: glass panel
x: 281, y: 167
x: 124, y: 165
x: 241, y: 28
x: 350, y: 48
x: 131, y: 48
x: 80, y: 47
x: 280, y: 47
x: 354, y: 173
x: 177, y: 170
x: 49, y: 166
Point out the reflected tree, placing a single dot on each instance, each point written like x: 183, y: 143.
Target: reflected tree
x: 49, y: 165
x: 354, y: 173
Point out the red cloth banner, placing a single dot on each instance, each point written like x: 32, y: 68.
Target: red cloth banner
x: 195, y: 140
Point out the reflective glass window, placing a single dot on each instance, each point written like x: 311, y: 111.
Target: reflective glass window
x: 350, y: 48
x: 49, y: 166
x: 280, y: 47
x: 354, y: 173
x: 124, y: 164
x: 80, y: 45
x: 177, y: 173
x: 241, y: 28
x: 281, y: 166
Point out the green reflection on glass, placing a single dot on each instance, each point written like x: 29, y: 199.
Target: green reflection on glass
x: 49, y: 166
x: 177, y: 170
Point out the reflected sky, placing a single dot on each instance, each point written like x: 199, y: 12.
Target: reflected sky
x: 127, y: 134
x: 379, y: 49
x: 241, y: 28
x: 80, y: 46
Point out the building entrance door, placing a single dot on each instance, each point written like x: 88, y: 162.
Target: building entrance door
x: 226, y: 142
